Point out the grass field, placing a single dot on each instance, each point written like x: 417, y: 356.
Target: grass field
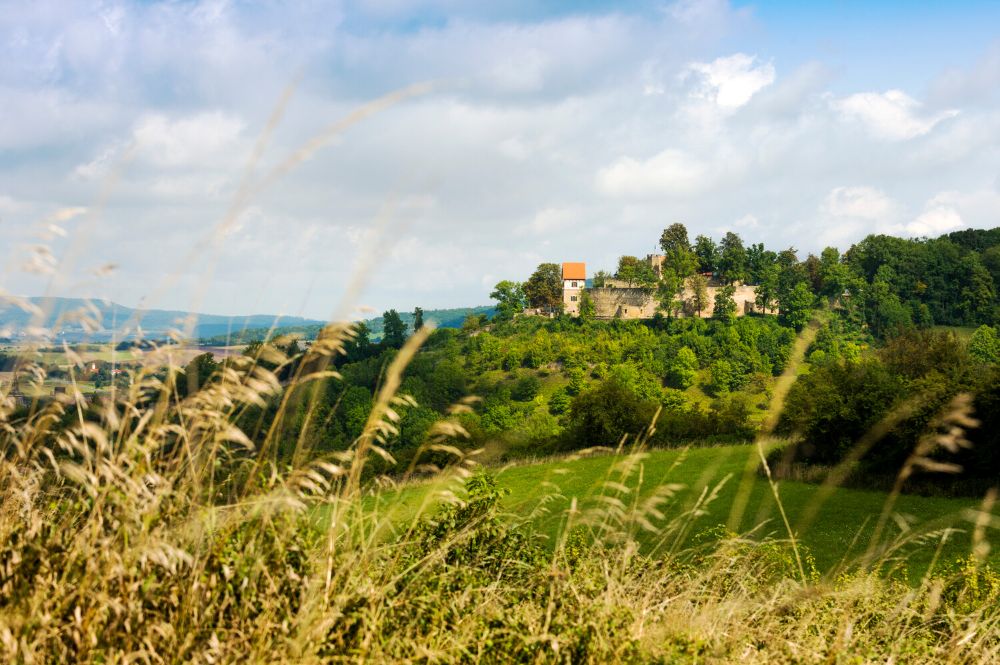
x: 840, y: 531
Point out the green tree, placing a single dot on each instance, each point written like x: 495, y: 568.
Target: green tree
x: 767, y: 287
x: 587, y: 308
x: 473, y: 322
x: 526, y: 388
x: 602, y: 415
x: 510, y: 299
x: 725, y: 304
x: 418, y: 318
x: 393, y: 329
x: 683, y: 369
x: 668, y: 292
x: 600, y: 277
x: 635, y: 272
x: 721, y: 377
x: 544, y: 288
x: 733, y: 261
x: 707, y: 252
x: 835, y: 276
x: 677, y: 254
x: 699, y: 293
x: 978, y: 294
x: 984, y: 345
x: 758, y: 260
x: 883, y: 310
x: 794, y: 309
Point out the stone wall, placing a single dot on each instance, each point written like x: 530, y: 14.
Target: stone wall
x: 617, y: 301
x: 623, y: 303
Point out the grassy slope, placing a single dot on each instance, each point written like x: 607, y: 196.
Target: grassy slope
x: 840, y: 530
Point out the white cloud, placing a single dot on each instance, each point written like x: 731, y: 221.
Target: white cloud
x: 934, y: 221
x: 548, y: 220
x: 668, y: 173
x: 892, y: 115
x: 731, y: 81
x: 187, y: 141
x: 865, y: 203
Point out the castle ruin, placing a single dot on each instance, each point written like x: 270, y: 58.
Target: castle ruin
x: 617, y: 299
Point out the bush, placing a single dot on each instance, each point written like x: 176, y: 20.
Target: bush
x: 526, y: 388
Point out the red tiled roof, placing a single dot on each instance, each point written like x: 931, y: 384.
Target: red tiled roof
x: 574, y: 271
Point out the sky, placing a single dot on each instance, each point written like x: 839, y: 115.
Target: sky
x: 326, y: 159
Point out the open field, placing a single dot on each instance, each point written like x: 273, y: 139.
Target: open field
x: 107, y: 353
x: 839, y: 533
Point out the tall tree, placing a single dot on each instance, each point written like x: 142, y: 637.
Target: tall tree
x: 698, y: 300
x: 677, y: 253
x: 794, y: 308
x: 510, y: 299
x: 418, y: 318
x: 732, y: 258
x: 725, y: 304
x: 544, y: 288
x: 668, y: 292
x: 758, y: 260
x: 836, y: 277
x: 767, y: 287
x: 707, y: 252
x: 675, y: 238
x: 587, y: 308
x: 393, y: 329
x: 636, y: 272
x: 814, y: 273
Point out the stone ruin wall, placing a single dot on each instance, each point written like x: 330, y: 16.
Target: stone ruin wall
x: 623, y: 302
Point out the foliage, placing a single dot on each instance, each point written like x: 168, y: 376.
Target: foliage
x: 699, y: 293
x: 725, y: 305
x: 543, y: 289
x: 707, y: 252
x: 635, y: 272
x: 601, y: 415
x: 393, y: 329
x: 510, y: 299
x: 984, y: 345
x: 733, y: 261
x: 683, y: 369
x: 794, y: 309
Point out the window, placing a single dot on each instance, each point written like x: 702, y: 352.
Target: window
x: 572, y: 298
x: 573, y: 284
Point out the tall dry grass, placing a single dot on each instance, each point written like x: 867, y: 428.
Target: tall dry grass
x: 152, y: 529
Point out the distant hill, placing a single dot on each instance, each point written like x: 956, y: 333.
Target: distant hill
x: 118, y: 321
x: 442, y: 318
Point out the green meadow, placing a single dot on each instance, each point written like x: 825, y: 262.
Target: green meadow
x: 839, y: 526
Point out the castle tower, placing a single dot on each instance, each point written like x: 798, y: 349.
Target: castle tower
x: 574, y: 281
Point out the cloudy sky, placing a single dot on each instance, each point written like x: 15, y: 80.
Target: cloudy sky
x: 226, y: 156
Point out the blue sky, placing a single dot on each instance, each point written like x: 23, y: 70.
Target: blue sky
x: 553, y: 131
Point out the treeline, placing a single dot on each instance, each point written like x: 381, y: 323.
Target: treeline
x: 926, y: 401
x: 891, y: 283
x: 951, y: 280
x: 442, y: 318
